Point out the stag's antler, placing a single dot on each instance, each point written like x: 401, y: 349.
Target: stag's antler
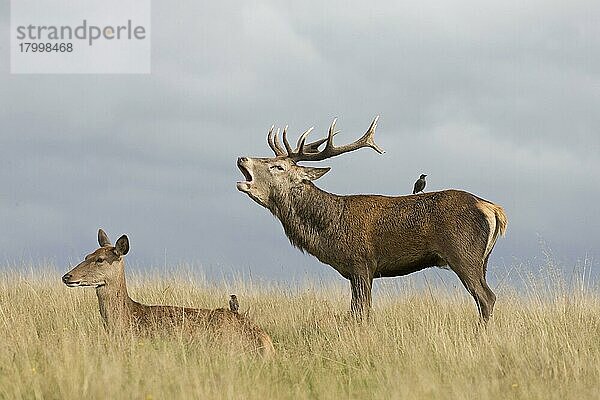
x: 273, y: 141
x: 310, y: 151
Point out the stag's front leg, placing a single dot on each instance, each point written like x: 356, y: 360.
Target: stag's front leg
x: 361, y: 296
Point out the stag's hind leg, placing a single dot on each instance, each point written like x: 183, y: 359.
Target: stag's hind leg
x: 472, y: 276
x: 490, y: 295
x: 485, y: 299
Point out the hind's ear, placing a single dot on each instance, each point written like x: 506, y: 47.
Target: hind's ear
x: 122, y: 246
x: 103, y: 239
x: 313, y: 173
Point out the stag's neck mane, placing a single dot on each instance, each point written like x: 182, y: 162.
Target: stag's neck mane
x: 310, y: 216
x: 116, y: 307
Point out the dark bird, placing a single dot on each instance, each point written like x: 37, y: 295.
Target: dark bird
x: 233, y: 303
x: 419, y: 184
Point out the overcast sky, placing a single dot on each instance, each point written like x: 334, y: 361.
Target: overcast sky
x: 501, y: 99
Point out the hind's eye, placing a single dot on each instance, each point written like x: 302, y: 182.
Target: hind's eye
x: 277, y: 167
x: 100, y: 260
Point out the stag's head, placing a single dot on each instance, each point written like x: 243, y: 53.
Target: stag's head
x: 101, y: 267
x: 267, y: 177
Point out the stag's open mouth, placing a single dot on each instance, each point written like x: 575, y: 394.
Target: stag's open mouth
x: 244, y: 185
x: 74, y: 283
x: 246, y: 173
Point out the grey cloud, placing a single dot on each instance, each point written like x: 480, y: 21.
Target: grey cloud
x: 500, y: 101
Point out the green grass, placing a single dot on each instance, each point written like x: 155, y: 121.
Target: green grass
x: 543, y: 343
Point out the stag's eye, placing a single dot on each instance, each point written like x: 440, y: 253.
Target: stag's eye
x: 277, y: 167
x: 100, y: 260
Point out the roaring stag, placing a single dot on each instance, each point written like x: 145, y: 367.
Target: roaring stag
x: 104, y: 269
x: 371, y: 236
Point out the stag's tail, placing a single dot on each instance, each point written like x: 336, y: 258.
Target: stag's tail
x: 497, y: 222
x: 501, y: 221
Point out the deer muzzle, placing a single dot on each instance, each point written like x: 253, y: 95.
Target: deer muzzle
x: 68, y: 280
x: 242, y: 164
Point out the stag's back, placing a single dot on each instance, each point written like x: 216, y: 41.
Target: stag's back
x: 421, y: 230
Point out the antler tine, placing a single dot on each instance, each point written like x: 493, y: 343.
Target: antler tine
x: 329, y: 144
x: 277, y: 143
x: 286, y: 143
x: 313, y: 147
x: 272, y: 143
x: 302, y: 139
x: 369, y: 136
x: 367, y: 140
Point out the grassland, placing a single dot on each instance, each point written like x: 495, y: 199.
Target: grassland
x: 542, y: 343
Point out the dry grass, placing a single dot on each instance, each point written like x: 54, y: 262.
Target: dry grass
x: 543, y: 343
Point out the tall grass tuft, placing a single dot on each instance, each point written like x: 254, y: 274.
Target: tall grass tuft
x: 543, y: 342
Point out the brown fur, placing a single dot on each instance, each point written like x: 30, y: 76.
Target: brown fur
x: 369, y: 236
x: 105, y: 270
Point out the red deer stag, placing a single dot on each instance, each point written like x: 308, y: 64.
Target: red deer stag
x: 371, y: 236
x: 104, y: 269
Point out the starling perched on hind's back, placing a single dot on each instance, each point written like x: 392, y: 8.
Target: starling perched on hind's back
x: 233, y: 303
x: 419, y: 184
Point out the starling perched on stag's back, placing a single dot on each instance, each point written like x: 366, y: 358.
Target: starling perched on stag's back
x: 233, y: 303
x: 419, y: 184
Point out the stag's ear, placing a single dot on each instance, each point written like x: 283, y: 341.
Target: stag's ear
x: 312, y: 173
x: 122, y: 246
x: 103, y: 239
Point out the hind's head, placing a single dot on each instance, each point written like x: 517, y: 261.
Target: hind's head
x: 101, y: 267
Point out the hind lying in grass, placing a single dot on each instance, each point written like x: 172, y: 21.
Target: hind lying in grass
x: 104, y: 269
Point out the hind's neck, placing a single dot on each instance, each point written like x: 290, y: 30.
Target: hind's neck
x: 116, y: 307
